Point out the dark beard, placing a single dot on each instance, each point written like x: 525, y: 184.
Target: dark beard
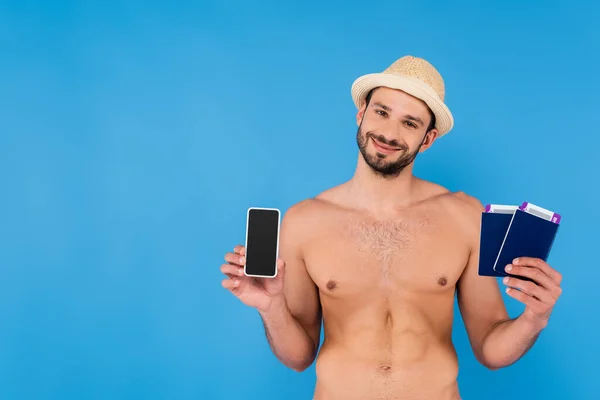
x: 378, y: 163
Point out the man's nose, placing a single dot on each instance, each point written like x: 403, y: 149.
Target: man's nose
x: 393, y: 129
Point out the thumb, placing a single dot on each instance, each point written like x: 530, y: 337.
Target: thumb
x: 280, y: 268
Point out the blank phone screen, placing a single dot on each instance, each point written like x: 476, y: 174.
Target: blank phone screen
x: 262, y: 242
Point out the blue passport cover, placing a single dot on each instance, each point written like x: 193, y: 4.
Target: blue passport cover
x: 528, y: 236
x: 493, y: 231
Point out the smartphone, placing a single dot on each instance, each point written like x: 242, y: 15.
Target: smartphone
x: 262, y: 242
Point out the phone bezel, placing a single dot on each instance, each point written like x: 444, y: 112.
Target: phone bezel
x: 278, y: 234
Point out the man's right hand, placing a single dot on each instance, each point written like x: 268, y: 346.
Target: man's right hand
x: 254, y: 292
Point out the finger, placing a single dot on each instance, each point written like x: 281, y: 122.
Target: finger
x: 530, y: 289
x: 542, y: 265
x: 232, y: 270
x: 280, y: 268
x: 230, y: 284
x: 239, y: 249
x: 523, y: 298
x: 535, y: 306
x: 533, y: 273
x: 235, y: 259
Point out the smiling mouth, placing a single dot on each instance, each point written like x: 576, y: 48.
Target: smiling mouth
x: 384, y: 148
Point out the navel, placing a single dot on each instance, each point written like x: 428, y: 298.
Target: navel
x: 388, y: 320
x: 331, y: 284
x: 385, y: 368
x: 442, y: 281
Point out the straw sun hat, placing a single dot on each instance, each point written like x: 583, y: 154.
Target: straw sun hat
x: 414, y: 76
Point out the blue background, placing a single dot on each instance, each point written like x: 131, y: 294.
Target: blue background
x: 134, y: 135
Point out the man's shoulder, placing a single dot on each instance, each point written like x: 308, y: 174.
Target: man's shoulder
x: 461, y: 201
x: 459, y: 206
x: 465, y: 212
x: 312, y: 211
x: 468, y: 203
x: 300, y: 220
x: 308, y: 208
x: 302, y: 209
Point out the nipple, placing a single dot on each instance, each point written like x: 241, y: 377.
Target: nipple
x: 331, y: 284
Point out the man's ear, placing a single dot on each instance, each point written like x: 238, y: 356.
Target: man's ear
x: 430, y: 137
x: 361, y: 112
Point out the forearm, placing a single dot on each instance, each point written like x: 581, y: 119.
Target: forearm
x: 508, y: 341
x: 290, y: 342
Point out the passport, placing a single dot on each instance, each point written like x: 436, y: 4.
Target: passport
x: 493, y: 231
x: 508, y: 232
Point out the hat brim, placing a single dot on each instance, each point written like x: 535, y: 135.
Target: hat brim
x: 364, y: 84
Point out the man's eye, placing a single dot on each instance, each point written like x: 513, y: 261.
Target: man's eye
x: 382, y: 113
x: 411, y: 124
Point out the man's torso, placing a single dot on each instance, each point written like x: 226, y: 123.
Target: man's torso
x: 386, y: 287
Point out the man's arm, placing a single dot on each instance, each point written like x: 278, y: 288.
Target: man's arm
x: 496, y: 339
x: 293, y: 320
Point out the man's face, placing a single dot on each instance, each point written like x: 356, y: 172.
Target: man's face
x: 392, y: 131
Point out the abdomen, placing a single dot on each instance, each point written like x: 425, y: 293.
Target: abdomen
x: 345, y: 373
x: 372, y: 353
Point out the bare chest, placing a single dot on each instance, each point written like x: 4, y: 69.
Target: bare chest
x: 419, y: 253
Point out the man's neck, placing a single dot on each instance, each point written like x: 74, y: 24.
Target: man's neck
x: 378, y: 194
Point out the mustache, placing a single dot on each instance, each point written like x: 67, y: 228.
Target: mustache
x: 382, y: 139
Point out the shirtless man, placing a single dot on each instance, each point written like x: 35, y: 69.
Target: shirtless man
x: 380, y: 258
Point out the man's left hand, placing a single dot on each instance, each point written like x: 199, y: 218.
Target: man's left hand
x: 539, y: 296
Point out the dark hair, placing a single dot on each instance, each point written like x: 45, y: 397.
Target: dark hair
x: 431, y: 114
